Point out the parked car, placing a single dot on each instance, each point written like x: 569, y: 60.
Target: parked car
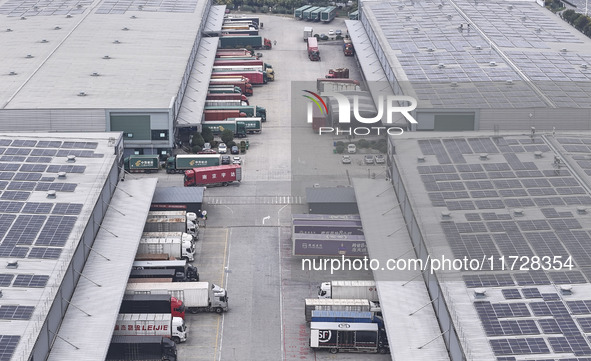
x: 380, y: 159
x: 368, y: 159
x: 338, y: 32
x: 226, y: 159
x: 206, y: 146
x: 323, y: 37
x: 351, y: 148
x: 207, y: 151
x: 237, y: 160
x: 235, y: 150
x: 346, y: 159
x: 331, y: 32
x: 222, y: 149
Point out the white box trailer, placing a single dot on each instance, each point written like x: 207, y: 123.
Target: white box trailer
x: 190, y: 219
x: 349, y: 289
x: 175, y: 247
x: 327, y: 304
x: 197, y: 296
x: 151, y: 324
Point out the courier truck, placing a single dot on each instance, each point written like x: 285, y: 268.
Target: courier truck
x: 251, y: 124
x: 172, y: 246
x: 141, y: 163
x: 349, y: 337
x: 151, y: 324
x: 327, y: 304
x: 313, y: 52
x: 256, y: 77
x: 349, y: 289
x: 268, y: 72
x: 227, y: 96
x: 181, y: 162
x: 213, y: 176
x: 218, y: 127
x: 210, y: 115
x: 197, y: 296
x: 179, y: 224
x: 184, y: 272
x: 152, y: 304
x: 190, y: 220
x: 240, y: 82
x: 308, y: 32
x: 252, y: 111
x: 254, y: 41
x: 141, y: 348
x: 224, y: 89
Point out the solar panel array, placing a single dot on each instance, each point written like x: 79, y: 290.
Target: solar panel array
x: 454, y: 67
x: 483, y: 195
x: 121, y: 6
x: 30, y: 8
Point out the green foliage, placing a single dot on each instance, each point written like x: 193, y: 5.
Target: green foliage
x: 197, y: 140
x: 363, y: 143
x: 339, y: 143
x: 230, y: 144
x: 227, y: 136
x: 207, y: 135
x: 340, y: 148
x: 569, y: 15
x: 196, y: 149
x: 581, y: 22
x: 587, y: 30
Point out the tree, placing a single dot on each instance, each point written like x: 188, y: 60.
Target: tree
x: 207, y: 135
x: 340, y: 148
x: 197, y: 140
x: 196, y: 149
x: 567, y: 15
x: 227, y: 136
x: 581, y: 22
x: 587, y: 30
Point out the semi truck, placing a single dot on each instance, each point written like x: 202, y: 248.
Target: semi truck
x: 211, y: 176
x: 240, y: 82
x: 162, y: 303
x: 197, y: 296
x: 327, y: 304
x: 327, y: 227
x: 151, y: 324
x: 141, y: 348
x: 210, y: 115
x: 184, y: 272
x: 336, y: 84
x: 340, y: 73
x: 348, y: 48
x: 349, y: 337
x: 328, y: 14
x: 242, y: 62
x: 239, y: 32
x: 181, y: 162
x: 299, y: 12
x: 224, y: 89
x: 254, y: 41
x: 252, y: 111
x: 308, y: 32
x: 224, y: 102
x: 240, y: 126
x: 222, y: 96
x: 313, y: 52
x: 256, y: 77
x: 189, y: 217
x: 349, y: 289
x: 342, y: 316
x: 151, y: 274
x: 180, y: 224
x: 141, y: 163
x: 173, y: 246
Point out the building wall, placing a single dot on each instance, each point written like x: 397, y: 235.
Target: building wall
x: 52, y: 120
x: 333, y: 208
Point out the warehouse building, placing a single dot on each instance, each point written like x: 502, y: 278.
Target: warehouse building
x: 107, y: 66
x: 477, y: 65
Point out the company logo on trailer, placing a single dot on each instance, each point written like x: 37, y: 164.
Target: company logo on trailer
x: 344, y: 107
x: 324, y: 336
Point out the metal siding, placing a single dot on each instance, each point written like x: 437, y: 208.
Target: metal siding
x: 52, y: 120
x: 542, y: 118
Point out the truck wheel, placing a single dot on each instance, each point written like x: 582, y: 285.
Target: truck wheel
x: 193, y: 310
x: 225, y: 184
x: 219, y: 310
x: 176, y: 340
x: 383, y: 350
x: 333, y: 350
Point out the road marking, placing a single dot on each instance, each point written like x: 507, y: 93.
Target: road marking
x: 265, y: 218
x: 220, y: 334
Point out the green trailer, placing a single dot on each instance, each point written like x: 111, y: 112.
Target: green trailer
x: 226, y: 89
x: 354, y: 15
x: 315, y: 14
x: 180, y: 163
x: 250, y: 110
x: 141, y: 163
x: 328, y: 14
x: 299, y: 12
x: 254, y: 41
x: 251, y: 125
x: 217, y: 127
x: 306, y: 13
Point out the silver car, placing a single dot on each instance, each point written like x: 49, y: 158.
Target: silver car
x: 368, y: 159
x: 346, y: 159
x: 380, y: 159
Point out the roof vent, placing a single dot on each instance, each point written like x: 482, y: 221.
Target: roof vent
x: 68, y: 16
x: 57, y: 28
x: 441, y: 66
x: 510, y: 7
x: 480, y: 292
x: 316, y: 185
x: 51, y: 193
x: 492, y: 63
x: 518, y: 212
x: 430, y: 50
x: 8, y: 30
x: 23, y: 18
x: 71, y: 158
x: 566, y: 289
x: 400, y: 7
x: 45, y: 41
x: 61, y: 174
x: 125, y: 29
x: 581, y: 210
x: 584, y: 66
x: 12, y: 264
x: 509, y: 82
x: 13, y: 73
x: 538, y: 30
x: 454, y: 84
x: 524, y: 18
x: 29, y: 56
x: 449, y: 16
x: 79, y: 6
x: 116, y: 42
x: 563, y: 50
x: 106, y: 57
x: 420, y: 159
x: 95, y: 74
x: 408, y: 17
x: 538, y: 154
x: 36, y: 7
x: 141, y: 7
x: 416, y: 28
x: 478, y: 47
x: 483, y: 156
x: 82, y: 94
x: 445, y: 214
x: 133, y: 17
x: 440, y: 6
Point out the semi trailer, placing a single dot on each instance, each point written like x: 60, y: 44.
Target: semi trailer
x: 348, y: 337
x: 349, y: 289
x: 212, y: 176
x: 254, y: 41
x: 173, y: 246
x: 181, y: 162
x: 184, y: 272
x: 141, y: 348
x: 227, y: 96
x: 327, y: 304
x: 141, y: 163
x: 252, y: 111
x: 197, y: 296
x: 152, y: 304
x: 151, y: 324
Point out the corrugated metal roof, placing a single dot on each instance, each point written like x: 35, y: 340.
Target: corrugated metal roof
x: 330, y: 195
x: 89, y: 325
x: 215, y: 19
x: 178, y: 195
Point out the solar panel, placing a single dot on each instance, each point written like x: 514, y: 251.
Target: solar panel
x: 10, y: 207
x: 519, y: 346
x: 511, y: 294
x: 44, y: 253
x: 66, y: 168
x: 16, y: 312
x: 43, y: 160
x: 21, y: 186
x: 67, y: 208
x: 56, y: 231
x: 32, y: 281
x: 5, y: 279
x: 488, y: 280
x: 15, y: 195
x: 7, y: 346
x: 531, y: 293
x: 33, y: 168
x: 48, y: 144
x: 60, y: 187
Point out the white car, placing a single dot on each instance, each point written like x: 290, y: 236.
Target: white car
x: 351, y: 149
x: 222, y: 148
x: 237, y: 160
x: 331, y: 32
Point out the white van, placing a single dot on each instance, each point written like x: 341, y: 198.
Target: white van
x: 351, y: 148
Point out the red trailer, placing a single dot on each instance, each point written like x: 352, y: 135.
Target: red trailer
x: 234, y: 52
x: 219, y: 114
x: 241, y: 82
x: 255, y: 77
x: 210, y: 176
x: 227, y: 96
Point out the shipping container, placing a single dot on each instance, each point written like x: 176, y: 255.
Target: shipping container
x: 141, y: 348
x: 210, y: 176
